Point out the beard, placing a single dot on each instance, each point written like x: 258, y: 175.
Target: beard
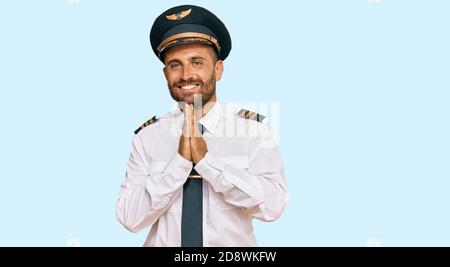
x: 206, y: 89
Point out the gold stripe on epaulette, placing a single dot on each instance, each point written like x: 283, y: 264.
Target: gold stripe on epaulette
x: 247, y: 114
x: 145, y: 124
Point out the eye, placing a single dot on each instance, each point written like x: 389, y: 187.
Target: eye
x: 197, y: 63
x: 174, y: 65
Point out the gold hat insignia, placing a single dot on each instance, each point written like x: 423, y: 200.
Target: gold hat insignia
x: 179, y: 15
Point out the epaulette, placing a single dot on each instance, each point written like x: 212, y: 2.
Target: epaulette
x: 147, y: 123
x: 247, y: 114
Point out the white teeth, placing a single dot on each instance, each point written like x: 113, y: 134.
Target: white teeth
x: 188, y: 87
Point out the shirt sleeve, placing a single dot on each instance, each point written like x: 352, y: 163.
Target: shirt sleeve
x: 260, y: 190
x: 147, y: 191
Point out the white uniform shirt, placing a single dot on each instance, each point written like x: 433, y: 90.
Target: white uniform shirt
x: 242, y: 171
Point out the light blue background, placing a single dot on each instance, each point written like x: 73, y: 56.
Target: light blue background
x: 363, y: 88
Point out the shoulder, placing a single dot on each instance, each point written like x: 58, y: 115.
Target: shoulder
x: 249, y: 123
x: 145, y: 124
x: 167, y: 117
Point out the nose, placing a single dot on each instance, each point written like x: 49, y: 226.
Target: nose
x: 187, y: 72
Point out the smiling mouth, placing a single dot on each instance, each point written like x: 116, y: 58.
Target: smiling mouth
x: 190, y: 86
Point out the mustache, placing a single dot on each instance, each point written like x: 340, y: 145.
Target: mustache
x: 183, y: 82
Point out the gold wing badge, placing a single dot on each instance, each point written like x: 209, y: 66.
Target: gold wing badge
x: 179, y: 15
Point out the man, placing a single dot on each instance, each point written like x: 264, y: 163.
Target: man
x: 200, y: 174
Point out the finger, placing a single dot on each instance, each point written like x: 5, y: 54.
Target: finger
x: 196, y: 129
x: 191, y: 121
x: 197, y: 107
x: 186, y: 121
x: 195, y: 123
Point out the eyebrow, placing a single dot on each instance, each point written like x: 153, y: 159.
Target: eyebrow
x: 190, y: 59
x: 196, y: 57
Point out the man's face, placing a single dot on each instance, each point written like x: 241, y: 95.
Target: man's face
x: 190, y: 70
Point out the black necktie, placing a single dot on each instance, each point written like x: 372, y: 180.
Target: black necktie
x: 191, y: 216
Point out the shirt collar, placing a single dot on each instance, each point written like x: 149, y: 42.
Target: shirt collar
x: 211, y: 120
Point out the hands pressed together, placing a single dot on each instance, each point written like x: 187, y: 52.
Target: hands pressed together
x: 192, y: 146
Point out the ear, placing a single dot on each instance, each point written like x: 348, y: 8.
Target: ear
x: 218, y: 69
